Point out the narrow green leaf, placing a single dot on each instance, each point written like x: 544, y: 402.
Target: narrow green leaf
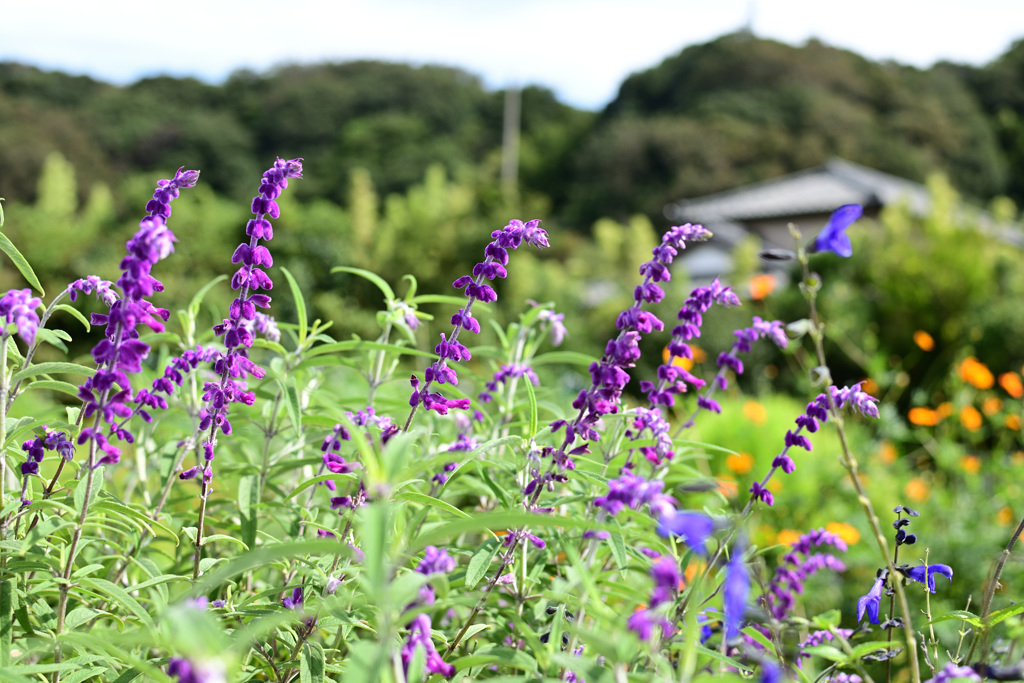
x: 480, y: 563
x: 197, y: 300
x: 566, y: 357
x: 121, y: 597
x: 57, y: 367
x: 127, y: 676
x: 382, y: 284
x: 833, y: 654
x: 83, y: 674
x: 618, y: 547
x: 6, y: 622
x: 415, y: 497
x: 20, y: 262
x: 291, y: 402
x: 1004, y: 613
x: 54, y: 385
x: 866, y: 648
x: 362, y: 345
x: 74, y: 313
x: 311, y: 664
x: 959, y: 615
x: 223, y: 537
x: 300, y: 305
x: 52, y: 337
x: 248, y: 492
x: 533, y: 409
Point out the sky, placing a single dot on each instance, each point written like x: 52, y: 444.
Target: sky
x: 580, y: 49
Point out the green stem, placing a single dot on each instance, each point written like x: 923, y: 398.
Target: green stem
x: 990, y: 591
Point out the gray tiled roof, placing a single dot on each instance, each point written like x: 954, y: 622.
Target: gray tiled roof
x: 813, y: 191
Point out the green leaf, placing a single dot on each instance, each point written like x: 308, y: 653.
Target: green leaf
x: 74, y: 313
x: 248, y: 497
x: 54, y: 385
x: 223, y: 537
x: 37, y: 369
x: 311, y: 664
x: 382, y: 284
x: 567, y: 357
x: 867, y: 648
x: 959, y: 615
x: 300, y: 305
x: 6, y: 622
x: 618, y: 546
x: 480, y: 563
x: 197, y: 300
x: 533, y: 409
x: 1004, y: 613
x: 20, y: 262
x: 127, y: 676
x: 415, y: 497
x: 829, y: 619
x: 120, y: 596
x: 361, y: 345
x: 829, y: 652
x: 291, y: 402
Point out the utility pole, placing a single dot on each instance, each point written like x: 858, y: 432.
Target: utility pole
x: 510, y: 144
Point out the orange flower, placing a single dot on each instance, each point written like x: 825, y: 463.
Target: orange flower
x: 788, y: 537
x: 971, y: 464
x: 974, y: 372
x: 1012, y: 422
x: 755, y: 412
x: 1005, y: 516
x: 1010, y: 382
x: 924, y: 340
x: 970, y: 418
x: 739, y: 463
x: 887, y: 453
x: 845, y: 531
x: 699, y: 355
x: 944, y: 410
x: 727, y: 487
x: 761, y: 286
x: 992, y: 405
x: 924, y: 417
x: 917, y: 490
x: 869, y: 386
x: 684, y: 363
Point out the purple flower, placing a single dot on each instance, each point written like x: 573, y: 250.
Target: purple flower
x: 234, y: 366
x: 450, y: 349
x: 294, y: 601
x: 833, y: 236
x: 108, y: 392
x: 186, y: 671
x: 18, y: 306
x: 610, y: 375
x: 869, y: 603
x: 694, y: 527
x: 953, y: 672
x: 926, y: 574
x: 632, y: 491
x: 734, y: 594
x: 643, y: 623
x: 798, y: 564
x: 419, y: 637
x: 104, y: 289
x: 435, y: 561
x: 666, y: 580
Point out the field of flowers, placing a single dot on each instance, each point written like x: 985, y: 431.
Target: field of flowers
x: 226, y: 496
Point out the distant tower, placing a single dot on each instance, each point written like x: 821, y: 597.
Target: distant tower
x: 748, y: 27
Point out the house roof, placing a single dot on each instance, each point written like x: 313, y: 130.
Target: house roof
x: 813, y: 191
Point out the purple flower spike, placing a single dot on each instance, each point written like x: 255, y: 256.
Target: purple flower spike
x: 734, y: 594
x: 107, y: 393
x: 419, y: 637
x: 450, y: 349
x: 18, y: 306
x: 234, y: 366
x: 833, y: 236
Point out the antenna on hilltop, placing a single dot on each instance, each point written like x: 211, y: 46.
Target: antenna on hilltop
x: 748, y: 26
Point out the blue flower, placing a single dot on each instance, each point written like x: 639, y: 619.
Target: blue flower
x: 692, y: 526
x: 833, y: 236
x: 870, y: 602
x: 926, y: 574
x: 734, y: 594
